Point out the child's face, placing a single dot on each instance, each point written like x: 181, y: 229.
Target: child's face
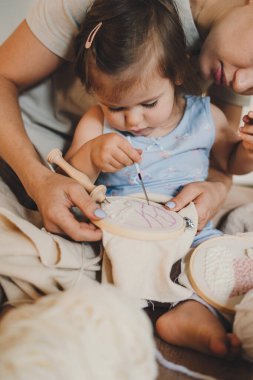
x: 146, y: 110
x: 227, y: 53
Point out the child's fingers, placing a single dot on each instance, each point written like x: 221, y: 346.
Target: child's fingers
x: 118, y: 153
x: 117, y: 160
x: 112, y: 166
x: 133, y: 154
x: 125, y: 157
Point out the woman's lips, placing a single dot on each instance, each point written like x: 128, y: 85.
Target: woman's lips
x: 219, y: 76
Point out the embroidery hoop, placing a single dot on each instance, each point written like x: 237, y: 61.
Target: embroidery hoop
x: 138, y: 220
x: 236, y: 246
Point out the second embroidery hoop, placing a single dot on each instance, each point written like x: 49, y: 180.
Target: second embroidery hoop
x: 221, y: 271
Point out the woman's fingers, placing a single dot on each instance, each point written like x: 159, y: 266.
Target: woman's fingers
x: 55, y: 200
x: 205, y: 196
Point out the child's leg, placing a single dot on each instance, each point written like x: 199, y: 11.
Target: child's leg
x: 190, y: 324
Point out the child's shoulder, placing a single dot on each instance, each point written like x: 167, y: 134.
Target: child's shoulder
x: 93, y: 119
x: 218, y: 115
x: 95, y: 110
x: 216, y: 109
x: 93, y: 115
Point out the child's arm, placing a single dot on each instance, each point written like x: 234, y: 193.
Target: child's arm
x: 230, y: 153
x: 92, y: 152
x: 89, y: 127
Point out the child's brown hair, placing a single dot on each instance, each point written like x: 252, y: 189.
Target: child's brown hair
x: 135, y: 36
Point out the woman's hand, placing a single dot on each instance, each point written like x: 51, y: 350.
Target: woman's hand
x: 111, y: 152
x: 208, y: 198
x: 246, y: 131
x: 55, y: 195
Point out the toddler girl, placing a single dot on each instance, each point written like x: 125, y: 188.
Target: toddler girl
x: 131, y: 55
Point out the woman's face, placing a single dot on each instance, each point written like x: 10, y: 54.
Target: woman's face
x: 227, y: 53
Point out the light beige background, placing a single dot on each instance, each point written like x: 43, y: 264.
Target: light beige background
x: 11, y: 14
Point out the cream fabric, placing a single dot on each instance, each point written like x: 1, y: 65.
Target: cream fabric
x: 96, y: 333
x: 238, y: 196
x: 34, y: 262
x: 239, y: 220
x: 142, y: 268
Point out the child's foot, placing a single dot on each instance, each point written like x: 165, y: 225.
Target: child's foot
x: 190, y: 324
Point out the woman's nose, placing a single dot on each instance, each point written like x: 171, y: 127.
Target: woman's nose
x: 243, y: 81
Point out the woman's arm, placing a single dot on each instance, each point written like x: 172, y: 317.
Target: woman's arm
x: 232, y: 151
x: 232, y: 112
x: 24, y: 61
x: 242, y: 160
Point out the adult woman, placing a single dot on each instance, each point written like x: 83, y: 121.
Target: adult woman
x: 36, y: 63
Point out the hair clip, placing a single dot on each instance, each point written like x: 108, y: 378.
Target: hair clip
x: 92, y: 34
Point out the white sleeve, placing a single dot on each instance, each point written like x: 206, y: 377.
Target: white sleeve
x: 55, y: 23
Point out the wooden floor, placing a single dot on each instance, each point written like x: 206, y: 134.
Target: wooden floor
x: 219, y: 369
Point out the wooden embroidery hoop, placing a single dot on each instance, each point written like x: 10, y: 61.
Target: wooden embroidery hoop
x: 140, y: 220
x: 173, y: 225
x: 237, y: 246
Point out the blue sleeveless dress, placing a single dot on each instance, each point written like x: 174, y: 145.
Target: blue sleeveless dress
x: 171, y: 161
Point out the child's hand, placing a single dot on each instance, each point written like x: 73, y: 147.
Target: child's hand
x: 246, y: 131
x: 111, y: 152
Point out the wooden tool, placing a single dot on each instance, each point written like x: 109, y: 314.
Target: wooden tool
x: 96, y: 192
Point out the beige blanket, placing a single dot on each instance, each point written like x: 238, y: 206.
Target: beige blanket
x: 239, y: 220
x: 34, y: 262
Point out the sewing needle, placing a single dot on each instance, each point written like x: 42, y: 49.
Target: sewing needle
x: 137, y: 167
